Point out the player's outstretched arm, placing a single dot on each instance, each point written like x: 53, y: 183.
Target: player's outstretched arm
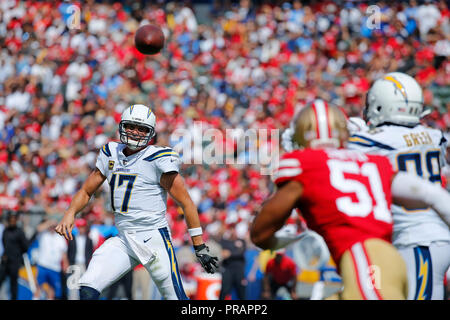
x: 79, y: 201
x: 413, y: 192
x: 273, y: 215
x: 174, y: 184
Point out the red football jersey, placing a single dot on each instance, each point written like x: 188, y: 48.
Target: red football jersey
x: 346, y: 194
x: 283, y: 272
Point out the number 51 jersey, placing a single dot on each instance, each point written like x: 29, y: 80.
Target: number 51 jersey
x: 419, y: 150
x: 346, y: 194
x: 138, y: 200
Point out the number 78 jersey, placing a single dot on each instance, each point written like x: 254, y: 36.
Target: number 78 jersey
x: 346, y: 194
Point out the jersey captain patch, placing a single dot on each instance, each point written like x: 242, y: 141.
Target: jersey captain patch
x: 111, y: 164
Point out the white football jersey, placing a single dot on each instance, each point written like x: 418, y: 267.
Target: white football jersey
x: 138, y: 201
x: 420, y: 150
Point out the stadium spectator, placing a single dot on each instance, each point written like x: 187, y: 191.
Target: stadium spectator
x: 428, y: 16
x: 15, y: 244
x: 251, y: 66
x: 52, y: 261
x: 233, y: 264
x: 141, y: 283
x: 79, y: 252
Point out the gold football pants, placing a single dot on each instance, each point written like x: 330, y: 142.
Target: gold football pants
x: 373, y: 270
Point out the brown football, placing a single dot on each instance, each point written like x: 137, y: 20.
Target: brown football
x: 149, y: 39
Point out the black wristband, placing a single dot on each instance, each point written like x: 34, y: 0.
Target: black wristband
x: 199, y: 247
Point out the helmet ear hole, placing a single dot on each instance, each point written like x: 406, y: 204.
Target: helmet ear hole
x: 154, y: 139
x: 395, y: 98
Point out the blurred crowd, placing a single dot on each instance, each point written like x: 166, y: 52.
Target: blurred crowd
x: 67, y: 70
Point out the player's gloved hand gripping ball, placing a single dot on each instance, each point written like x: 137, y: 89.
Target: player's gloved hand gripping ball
x: 208, y: 262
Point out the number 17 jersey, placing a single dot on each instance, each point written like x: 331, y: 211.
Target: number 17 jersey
x: 346, y: 194
x: 138, y: 201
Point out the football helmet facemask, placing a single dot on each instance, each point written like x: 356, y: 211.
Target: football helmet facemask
x: 138, y: 117
x: 394, y: 98
x: 320, y: 125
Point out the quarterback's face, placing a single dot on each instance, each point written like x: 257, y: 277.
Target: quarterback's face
x: 136, y: 130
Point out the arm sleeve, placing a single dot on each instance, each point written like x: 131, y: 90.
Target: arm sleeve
x: 23, y: 242
x: 102, y: 160
x: 288, y: 169
x: 409, y: 188
x: 168, y: 162
x: 357, y: 142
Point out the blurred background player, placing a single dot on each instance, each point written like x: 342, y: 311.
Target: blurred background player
x: 15, y: 244
x: 394, y: 106
x: 79, y: 252
x: 141, y: 283
x: 140, y: 175
x: 281, y: 272
x: 126, y: 283
x: 233, y: 264
x: 345, y: 196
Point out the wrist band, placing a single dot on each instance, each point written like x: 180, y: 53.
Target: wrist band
x: 195, y: 232
x: 199, y: 247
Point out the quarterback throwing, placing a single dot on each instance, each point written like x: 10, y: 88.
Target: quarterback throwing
x: 139, y: 175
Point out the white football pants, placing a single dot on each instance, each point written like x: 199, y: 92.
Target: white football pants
x: 426, y: 267
x: 120, y: 254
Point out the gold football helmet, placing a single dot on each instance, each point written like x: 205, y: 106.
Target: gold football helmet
x: 320, y: 125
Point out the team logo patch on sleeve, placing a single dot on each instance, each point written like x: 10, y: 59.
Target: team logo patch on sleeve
x: 106, y: 151
x: 160, y: 154
x: 367, y: 142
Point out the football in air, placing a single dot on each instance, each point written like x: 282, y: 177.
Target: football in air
x: 149, y: 39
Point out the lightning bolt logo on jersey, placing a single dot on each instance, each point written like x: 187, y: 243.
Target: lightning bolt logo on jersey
x: 393, y: 111
x: 418, y: 150
x: 424, y: 273
x: 139, y: 203
x: 137, y: 199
